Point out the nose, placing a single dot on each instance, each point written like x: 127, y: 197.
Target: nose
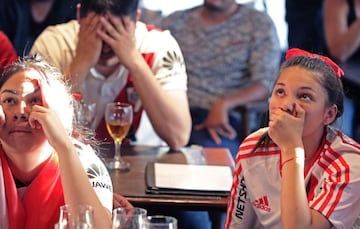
x: 22, y: 113
x: 288, y: 105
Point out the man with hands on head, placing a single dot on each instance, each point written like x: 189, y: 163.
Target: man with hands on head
x: 108, y: 55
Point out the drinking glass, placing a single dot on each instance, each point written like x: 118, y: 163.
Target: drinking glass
x: 83, y: 216
x: 85, y: 113
x: 78, y: 217
x: 129, y: 218
x: 161, y: 222
x: 64, y: 218
x: 118, y: 117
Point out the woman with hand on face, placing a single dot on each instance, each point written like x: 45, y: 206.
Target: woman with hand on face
x: 299, y: 172
x: 41, y: 166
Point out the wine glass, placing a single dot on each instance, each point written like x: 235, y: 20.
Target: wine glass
x: 118, y: 117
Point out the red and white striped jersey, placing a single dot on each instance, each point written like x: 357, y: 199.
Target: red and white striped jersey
x: 159, y: 49
x: 332, y: 183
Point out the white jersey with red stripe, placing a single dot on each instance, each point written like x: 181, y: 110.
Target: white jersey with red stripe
x: 332, y: 183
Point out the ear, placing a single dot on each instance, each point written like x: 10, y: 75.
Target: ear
x: 138, y: 14
x: 330, y: 114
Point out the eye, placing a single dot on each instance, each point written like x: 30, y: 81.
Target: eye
x: 306, y: 97
x: 8, y: 100
x: 280, y: 92
x: 35, y: 101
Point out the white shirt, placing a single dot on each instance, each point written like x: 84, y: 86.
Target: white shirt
x: 58, y: 45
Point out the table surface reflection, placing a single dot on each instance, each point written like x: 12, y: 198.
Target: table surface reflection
x: 131, y: 184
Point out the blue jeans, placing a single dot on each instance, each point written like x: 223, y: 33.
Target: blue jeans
x: 204, y: 219
x: 194, y: 219
x: 202, y: 137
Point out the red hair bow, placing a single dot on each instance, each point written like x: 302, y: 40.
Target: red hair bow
x: 76, y: 96
x: 299, y: 52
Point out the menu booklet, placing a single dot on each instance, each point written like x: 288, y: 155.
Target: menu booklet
x: 186, y: 179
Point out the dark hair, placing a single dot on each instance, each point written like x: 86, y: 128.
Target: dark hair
x: 25, y: 63
x: 324, y: 75
x: 116, y: 7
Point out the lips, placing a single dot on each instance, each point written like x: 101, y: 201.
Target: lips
x: 21, y: 130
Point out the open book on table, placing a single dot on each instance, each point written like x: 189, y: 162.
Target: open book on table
x: 186, y: 179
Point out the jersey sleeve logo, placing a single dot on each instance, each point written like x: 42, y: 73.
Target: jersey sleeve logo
x: 173, y: 61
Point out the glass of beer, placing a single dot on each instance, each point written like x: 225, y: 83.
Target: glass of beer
x: 118, y: 117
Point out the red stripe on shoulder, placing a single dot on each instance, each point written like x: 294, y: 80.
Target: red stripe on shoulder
x: 149, y: 58
x: 150, y: 27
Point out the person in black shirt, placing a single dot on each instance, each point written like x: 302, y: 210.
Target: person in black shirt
x: 305, y: 25
x: 341, y: 23
x: 23, y: 20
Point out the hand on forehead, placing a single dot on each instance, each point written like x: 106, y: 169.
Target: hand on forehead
x: 40, y: 84
x: 25, y: 82
x: 44, y: 90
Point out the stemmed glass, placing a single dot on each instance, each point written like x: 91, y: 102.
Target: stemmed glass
x: 118, y: 117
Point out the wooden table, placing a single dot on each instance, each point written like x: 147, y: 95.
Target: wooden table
x: 131, y: 184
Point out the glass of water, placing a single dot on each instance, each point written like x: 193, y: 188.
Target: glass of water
x: 129, y: 218
x: 85, y: 114
x: 161, y: 222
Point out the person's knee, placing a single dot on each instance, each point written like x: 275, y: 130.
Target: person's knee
x: 194, y: 220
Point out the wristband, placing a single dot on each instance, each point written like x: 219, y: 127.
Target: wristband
x: 290, y: 159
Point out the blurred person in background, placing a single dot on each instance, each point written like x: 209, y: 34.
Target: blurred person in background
x: 305, y: 25
x: 232, y: 55
x: 342, y: 30
x: 7, y: 51
x: 23, y: 20
x: 108, y: 55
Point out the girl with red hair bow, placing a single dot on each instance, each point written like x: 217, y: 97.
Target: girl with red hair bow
x: 299, y: 172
